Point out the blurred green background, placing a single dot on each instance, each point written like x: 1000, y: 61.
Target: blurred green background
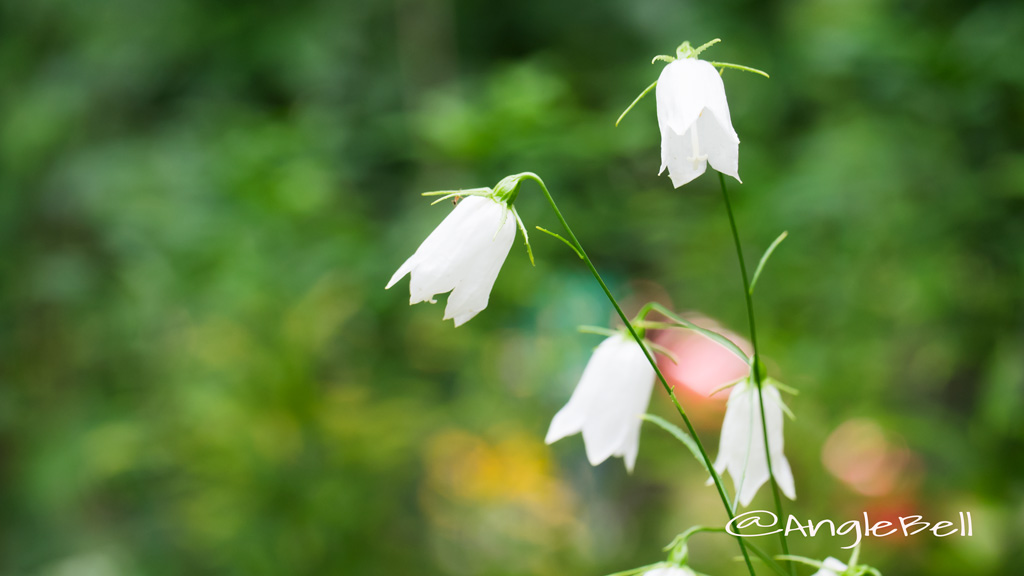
x: 201, y: 202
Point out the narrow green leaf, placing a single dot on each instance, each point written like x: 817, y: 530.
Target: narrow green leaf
x: 466, y: 192
x: 787, y: 389
x: 728, y: 344
x: 740, y: 67
x: 764, y: 260
x: 567, y: 243
x: 799, y: 559
x: 599, y: 330
x: 764, y: 557
x: 727, y: 386
x: 680, y: 435
x: 638, y: 98
x: 662, y: 350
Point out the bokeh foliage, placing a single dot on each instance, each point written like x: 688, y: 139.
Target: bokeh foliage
x: 200, y: 203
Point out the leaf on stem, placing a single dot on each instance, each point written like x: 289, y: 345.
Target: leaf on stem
x: 599, y: 330
x: 567, y: 243
x: 764, y: 557
x: 680, y: 435
x: 638, y: 98
x: 729, y: 344
x: 764, y: 260
x: 740, y: 67
x: 663, y: 351
x: 799, y: 559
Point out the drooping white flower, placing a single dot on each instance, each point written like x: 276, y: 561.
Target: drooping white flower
x: 741, y: 449
x: 671, y: 571
x: 696, y: 128
x: 831, y: 567
x: 463, y: 255
x: 609, y: 402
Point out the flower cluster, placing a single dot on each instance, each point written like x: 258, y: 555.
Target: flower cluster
x: 465, y: 253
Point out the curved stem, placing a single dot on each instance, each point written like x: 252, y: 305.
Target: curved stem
x: 756, y: 365
x: 650, y: 359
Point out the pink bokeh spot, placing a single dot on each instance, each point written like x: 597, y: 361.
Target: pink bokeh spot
x: 702, y: 365
x: 858, y: 453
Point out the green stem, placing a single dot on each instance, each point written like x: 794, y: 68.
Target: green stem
x: 650, y: 359
x: 756, y: 364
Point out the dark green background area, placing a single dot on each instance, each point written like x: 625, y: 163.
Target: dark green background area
x: 201, y: 202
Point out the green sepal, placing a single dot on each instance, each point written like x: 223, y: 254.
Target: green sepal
x: 507, y: 189
x: 598, y: 330
x: 526, y: 237
x: 724, y: 65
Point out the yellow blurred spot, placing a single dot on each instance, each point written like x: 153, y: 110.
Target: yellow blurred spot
x: 515, y: 470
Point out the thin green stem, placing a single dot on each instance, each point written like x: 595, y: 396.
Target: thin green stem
x: 650, y: 359
x: 757, y: 364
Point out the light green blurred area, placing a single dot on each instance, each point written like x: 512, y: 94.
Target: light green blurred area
x: 201, y: 202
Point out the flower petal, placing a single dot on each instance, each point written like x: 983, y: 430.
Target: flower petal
x: 680, y: 94
x: 479, y: 270
x: 609, y: 401
x: 691, y: 96
x: 741, y: 450
x: 463, y: 255
x: 671, y: 571
x: 831, y: 567
x: 677, y: 155
x: 722, y: 146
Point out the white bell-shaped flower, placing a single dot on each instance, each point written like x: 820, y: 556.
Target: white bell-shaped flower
x: 671, y: 571
x: 831, y: 567
x: 463, y: 255
x: 609, y: 402
x: 741, y: 449
x: 694, y: 119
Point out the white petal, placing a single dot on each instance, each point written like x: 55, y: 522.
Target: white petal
x: 479, y: 270
x: 677, y: 156
x: 670, y: 571
x: 402, y: 271
x: 722, y: 147
x: 438, y: 258
x: 783, y: 475
x: 568, y: 420
x: 831, y: 567
x: 690, y: 93
x: 609, y: 401
x: 714, y: 98
x: 776, y: 440
x: 741, y: 449
x: 680, y: 94
x: 624, y: 386
x: 463, y: 255
x: 629, y: 449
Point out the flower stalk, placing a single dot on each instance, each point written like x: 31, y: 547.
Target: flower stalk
x: 757, y: 366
